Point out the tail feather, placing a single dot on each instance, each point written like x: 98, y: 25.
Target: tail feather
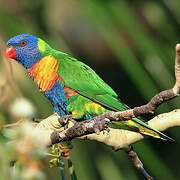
x: 143, y: 128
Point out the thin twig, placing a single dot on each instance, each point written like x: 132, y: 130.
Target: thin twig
x: 10, y: 125
x: 62, y: 168
x: 15, y: 124
x: 176, y: 87
x: 137, y: 162
x: 71, y: 169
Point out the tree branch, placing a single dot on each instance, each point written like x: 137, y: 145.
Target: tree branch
x: 80, y: 129
x: 117, y: 138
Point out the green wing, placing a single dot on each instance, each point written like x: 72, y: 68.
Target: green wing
x: 81, y: 78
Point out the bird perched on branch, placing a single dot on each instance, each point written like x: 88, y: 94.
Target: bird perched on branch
x: 71, y: 86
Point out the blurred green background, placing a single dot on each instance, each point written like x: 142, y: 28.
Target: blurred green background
x: 129, y: 43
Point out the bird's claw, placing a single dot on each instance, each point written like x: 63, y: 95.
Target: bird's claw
x: 64, y: 120
x: 99, y: 126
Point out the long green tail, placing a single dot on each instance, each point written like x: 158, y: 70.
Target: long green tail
x: 141, y: 127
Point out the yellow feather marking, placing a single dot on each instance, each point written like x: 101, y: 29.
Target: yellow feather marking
x: 44, y: 72
x: 77, y: 114
x: 139, y: 127
x: 41, y: 45
x: 93, y: 107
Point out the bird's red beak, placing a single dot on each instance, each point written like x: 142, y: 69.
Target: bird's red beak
x: 10, y: 52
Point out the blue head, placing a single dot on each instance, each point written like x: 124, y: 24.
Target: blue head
x: 24, y: 48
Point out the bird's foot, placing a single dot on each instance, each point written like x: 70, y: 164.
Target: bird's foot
x: 64, y: 120
x: 98, y: 126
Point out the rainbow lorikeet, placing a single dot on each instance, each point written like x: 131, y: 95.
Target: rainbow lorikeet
x: 71, y: 86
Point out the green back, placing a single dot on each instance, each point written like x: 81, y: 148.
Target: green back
x: 82, y: 79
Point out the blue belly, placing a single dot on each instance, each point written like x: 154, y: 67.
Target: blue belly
x: 57, y: 97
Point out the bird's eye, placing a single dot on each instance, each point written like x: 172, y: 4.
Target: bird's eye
x: 23, y: 43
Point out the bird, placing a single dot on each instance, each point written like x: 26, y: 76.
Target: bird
x: 72, y: 87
